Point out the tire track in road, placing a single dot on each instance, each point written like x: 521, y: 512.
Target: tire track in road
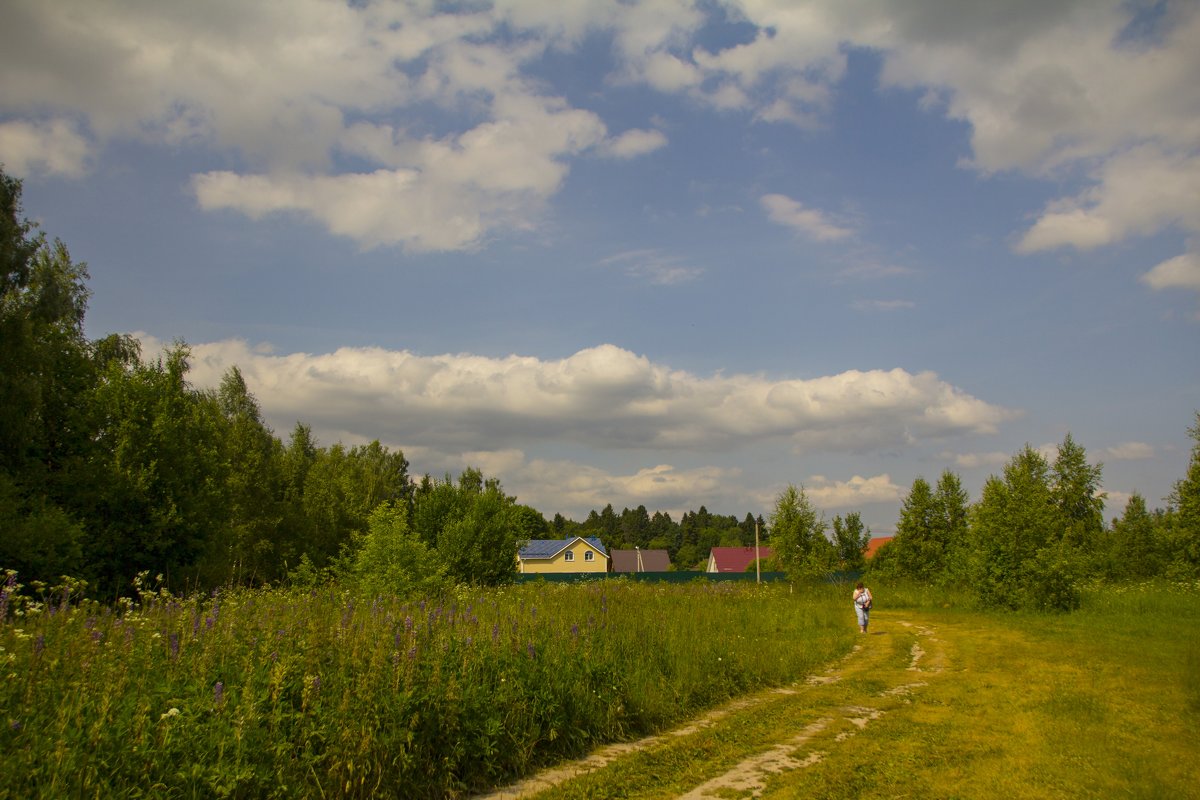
x: 829, y: 708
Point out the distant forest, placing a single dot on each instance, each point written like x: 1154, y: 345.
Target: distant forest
x: 114, y: 466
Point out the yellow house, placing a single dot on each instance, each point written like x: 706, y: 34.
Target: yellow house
x: 563, y: 555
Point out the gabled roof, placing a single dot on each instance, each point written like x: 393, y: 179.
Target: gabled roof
x: 734, y: 559
x: 874, y: 545
x: 549, y: 548
x: 652, y: 561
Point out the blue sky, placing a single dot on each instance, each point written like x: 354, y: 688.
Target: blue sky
x: 656, y: 252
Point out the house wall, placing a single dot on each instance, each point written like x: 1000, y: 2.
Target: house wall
x: 559, y: 563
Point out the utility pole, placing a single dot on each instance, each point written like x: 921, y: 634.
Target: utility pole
x: 757, y: 563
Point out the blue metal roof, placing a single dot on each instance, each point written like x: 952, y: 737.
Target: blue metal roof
x: 549, y: 548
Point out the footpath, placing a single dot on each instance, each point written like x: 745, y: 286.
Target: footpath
x: 735, y: 750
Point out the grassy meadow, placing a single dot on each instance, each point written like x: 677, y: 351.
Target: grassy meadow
x: 272, y: 693
x: 1103, y: 702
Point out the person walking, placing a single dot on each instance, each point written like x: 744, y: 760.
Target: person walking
x: 862, y: 606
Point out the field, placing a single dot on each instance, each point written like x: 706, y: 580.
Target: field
x: 267, y: 693
x: 271, y: 693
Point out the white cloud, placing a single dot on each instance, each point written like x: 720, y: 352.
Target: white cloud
x: 54, y: 147
x: 852, y: 493
x: 991, y: 460
x: 1128, y: 451
x: 603, y: 397
x: 634, y: 143
x: 1136, y: 193
x: 814, y: 224
x: 1182, y: 272
x: 286, y: 89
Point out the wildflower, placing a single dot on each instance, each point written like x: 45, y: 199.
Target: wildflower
x: 170, y: 712
x: 219, y: 694
x: 173, y: 645
x: 575, y: 630
x: 531, y: 650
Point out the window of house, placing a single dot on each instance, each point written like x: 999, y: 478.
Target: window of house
x: 569, y: 556
x: 589, y: 555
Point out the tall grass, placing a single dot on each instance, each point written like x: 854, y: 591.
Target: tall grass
x: 268, y: 693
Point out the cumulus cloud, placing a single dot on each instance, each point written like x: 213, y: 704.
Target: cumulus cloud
x: 603, y: 397
x: 634, y: 143
x: 992, y: 460
x: 1136, y: 193
x: 289, y: 91
x: 54, y: 147
x: 852, y: 493
x: 1182, y: 272
x: 809, y: 222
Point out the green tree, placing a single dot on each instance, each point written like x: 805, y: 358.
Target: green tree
x: 951, y: 510
x: 850, y: 538
x: 1184, y: 529
x: 393, y: 559
x: 1134, y: 552
x: 247, y: 549
x: 1019, y: 558
x: 798, y: 535
x: 917, y: 553
x: 1075, y: 487
x: 479, y: 546
x: 166, y: 496
x: 48, y: 458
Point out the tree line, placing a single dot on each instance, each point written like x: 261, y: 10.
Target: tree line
x: 112, y: 464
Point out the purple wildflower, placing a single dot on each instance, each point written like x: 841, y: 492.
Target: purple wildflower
x: 530, y: 650
x: 408, y: 623
x: 173, y: 645
x: 39, y: 644
x: 412, y: 652
x: 495, y: 632
x: 575, y: 630
x: 219, y: 694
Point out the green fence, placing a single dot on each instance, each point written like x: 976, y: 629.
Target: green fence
x: 654, y: 577
x: 673, y: 577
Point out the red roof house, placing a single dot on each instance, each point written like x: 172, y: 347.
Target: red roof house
x: 734, y: 559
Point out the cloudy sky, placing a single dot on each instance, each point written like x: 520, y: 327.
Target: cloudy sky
x: 649, y: 252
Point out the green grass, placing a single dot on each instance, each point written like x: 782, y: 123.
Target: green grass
x: 943, y: 701
x: 277, y: 694
x: 1098, y: 703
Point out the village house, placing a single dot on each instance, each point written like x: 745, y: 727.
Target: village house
x: 563, y: 555
x: 638, y: 560
x: 735, y: 559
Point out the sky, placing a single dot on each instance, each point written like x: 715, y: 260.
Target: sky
x: 650, y: 252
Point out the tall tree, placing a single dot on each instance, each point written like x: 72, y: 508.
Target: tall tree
x: 1134, y: 551
x: 952, y: 505
x: 1185, y: 498
x: 916, y: 550
x: 850, y: 538
x: 798, y: 535
x: 1075, y: 486
x: 1019, y: 557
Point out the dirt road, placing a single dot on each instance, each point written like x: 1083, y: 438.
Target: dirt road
x: 734, y: 750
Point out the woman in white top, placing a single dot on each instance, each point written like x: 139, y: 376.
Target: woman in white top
x: 862, y: 606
